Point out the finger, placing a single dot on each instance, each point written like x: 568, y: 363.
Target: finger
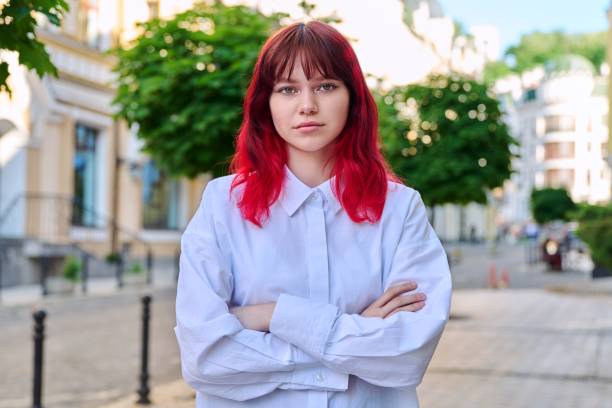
x: 414, y: 307
x: 403, y: 300
x: 394, y: 291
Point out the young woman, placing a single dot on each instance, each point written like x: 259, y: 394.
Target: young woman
x: 299, y: 272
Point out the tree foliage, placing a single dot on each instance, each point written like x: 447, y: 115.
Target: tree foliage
x: 309, y: 8
x: 446, y: 138
x: 17, y: 33
x: 551, y: 204
x: 493, y: 70
x: 183, y: 80
x: 536, y: 48
x: 595, y: 229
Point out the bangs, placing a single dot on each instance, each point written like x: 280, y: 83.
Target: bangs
x: 316, y: 54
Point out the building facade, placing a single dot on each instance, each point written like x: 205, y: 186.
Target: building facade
x: 71, y: 175
x: 559, y: 113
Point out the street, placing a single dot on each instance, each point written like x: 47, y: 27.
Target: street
x: 544, y: 341
x: 92, y: 350
x: 523, y: 348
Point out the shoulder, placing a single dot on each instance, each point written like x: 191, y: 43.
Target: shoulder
x: 401, y: 197
x: 220, y: 184
x: 217, y: 192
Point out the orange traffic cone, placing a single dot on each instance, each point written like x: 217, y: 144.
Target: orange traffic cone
x: 504, y: 281
x: 492, y: 281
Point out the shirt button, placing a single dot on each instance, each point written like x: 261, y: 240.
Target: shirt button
x: 319, y: 377
x: 314, y: 196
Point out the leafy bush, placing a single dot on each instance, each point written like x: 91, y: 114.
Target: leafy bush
x: 551, y: 204
x: 595, y: 229
x: 113, y: 258
x: 72, y: 269
x: 136, y: 268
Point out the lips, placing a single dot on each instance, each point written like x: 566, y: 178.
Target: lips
x: 308, y: 125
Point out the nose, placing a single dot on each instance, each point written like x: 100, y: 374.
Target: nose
x: 308, y: 104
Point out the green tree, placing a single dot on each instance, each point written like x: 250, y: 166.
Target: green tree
x: 551, y: 204
x: 494, y: 70
x: 17, y: 33
x: 183, y: 81
x: 536, y: 48
x: 445, y: 137
x: 595, y: 229
x: 309, y: 8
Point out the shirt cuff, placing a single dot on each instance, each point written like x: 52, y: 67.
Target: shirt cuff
x: 303, y: 323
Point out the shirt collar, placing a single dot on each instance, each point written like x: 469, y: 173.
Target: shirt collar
x: 295, y: 193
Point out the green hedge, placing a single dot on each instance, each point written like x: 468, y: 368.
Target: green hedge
x: 595, y: 229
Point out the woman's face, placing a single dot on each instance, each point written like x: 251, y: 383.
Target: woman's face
x: 309, y: 115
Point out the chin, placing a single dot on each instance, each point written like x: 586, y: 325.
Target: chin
x: 309, y: 148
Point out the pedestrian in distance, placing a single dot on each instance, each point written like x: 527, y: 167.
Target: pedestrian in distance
x: 310, y: 276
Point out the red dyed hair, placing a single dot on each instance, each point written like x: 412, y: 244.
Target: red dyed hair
x: 361, y: 171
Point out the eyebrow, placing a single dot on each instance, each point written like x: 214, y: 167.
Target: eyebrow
x: 318, y: 78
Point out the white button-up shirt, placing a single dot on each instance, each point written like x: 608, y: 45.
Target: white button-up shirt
x: 322, y: 270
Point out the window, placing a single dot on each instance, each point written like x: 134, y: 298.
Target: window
x: 588, y: 178
x: 560, y: 150
x: 88, y: 23
x: 84, y: 166
x: 153, y: 6
x: 530, y: 95
x: 559, y: 123
x: 559, y: 178
x: 160, y: 197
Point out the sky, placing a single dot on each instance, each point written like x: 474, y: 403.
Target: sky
x: 516, y: 17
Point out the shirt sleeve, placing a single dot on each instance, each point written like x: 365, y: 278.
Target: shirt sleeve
x: 218, y: 355
x: 390, y: 352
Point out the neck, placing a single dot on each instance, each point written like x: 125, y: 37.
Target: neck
x: 310, y: 167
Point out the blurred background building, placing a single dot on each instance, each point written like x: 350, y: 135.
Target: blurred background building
x: 559, y: 113
x: 72, y: 176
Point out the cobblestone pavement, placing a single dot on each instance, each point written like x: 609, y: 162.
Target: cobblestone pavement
x: 505, y: 349
x: 523, y: 349
x: 92, y: 349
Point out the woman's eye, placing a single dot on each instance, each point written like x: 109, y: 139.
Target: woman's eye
x: 328, y: 87
x: 287, y: 90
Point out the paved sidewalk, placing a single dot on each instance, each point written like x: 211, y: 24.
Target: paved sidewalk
x: 175, y: 394
x: 524, y: 348
x: 92, y: 348
x: 31, y: 294
x: 505, y: 349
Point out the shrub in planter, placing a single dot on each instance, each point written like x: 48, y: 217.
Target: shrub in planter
x: 65, y: 283
x: 113, y: 258
x: 595, y: 229
x: 135, y: 275
x: 136, y: 268
x: 72, y: 269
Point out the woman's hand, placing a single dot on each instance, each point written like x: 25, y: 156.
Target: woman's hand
x: 254, y: 317
x: 392, y: 301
